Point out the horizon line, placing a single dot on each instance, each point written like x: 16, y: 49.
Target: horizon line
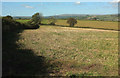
x: 63, y: 14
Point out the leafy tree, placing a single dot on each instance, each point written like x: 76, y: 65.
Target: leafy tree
x: 72, y: 22
x: 52, y: 21
x: 37, y: 18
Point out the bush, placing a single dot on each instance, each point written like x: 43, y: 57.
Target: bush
x: 8, y: 17
x: 30, y: 25
x: 36, y: 18
x: 8, y: 24
x: 72, y: 22
x: 52, y: 21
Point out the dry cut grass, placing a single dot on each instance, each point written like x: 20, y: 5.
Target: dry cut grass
x: 76, y: 50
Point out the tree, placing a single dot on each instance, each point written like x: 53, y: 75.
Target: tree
x: 72, y: 22
x: 52, y: 21
x: 36, y: 18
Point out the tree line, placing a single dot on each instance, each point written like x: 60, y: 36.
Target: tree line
x: 37, y: 18
x: 10, y: 24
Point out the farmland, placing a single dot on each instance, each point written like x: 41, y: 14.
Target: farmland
x: 60, y: 39
x: 60, y: 50
x: 75, y: 51
x: 106, y: 25
x: 22, y: 21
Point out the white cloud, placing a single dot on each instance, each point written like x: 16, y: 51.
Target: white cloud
x: 115, y: 1
x: 77, y: 2
x: 27, y: 6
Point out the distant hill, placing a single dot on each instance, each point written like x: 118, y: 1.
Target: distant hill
x: 65, y: 16
x: 113, y: 17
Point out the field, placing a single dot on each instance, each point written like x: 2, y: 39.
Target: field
x: 106, y: 25
x: 74, y: 51
x: 22, y: 21
x: 92, y: 24
x: 60, y: 39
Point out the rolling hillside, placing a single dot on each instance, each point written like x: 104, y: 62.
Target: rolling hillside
x: 78, y: 16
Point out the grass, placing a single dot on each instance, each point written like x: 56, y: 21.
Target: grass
x: 92, y: 24
x: 107, y: 25
x: 74, y: 49
x: 22, y: 21
x: 22, y: 62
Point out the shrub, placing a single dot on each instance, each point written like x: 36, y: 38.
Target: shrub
x: 72, y: 22
x: 8, y: 24
x: 36, y: 18
x: 8, y: 17
x: 30, y: 25
x: 52, y: 21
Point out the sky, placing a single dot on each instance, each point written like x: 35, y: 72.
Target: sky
x: 57, y: 8
x: 58, y: 0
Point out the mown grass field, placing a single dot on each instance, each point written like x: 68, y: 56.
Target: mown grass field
x: 78, y: 51
x: 107, y: 25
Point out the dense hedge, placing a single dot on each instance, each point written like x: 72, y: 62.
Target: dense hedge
x: 9, y: 24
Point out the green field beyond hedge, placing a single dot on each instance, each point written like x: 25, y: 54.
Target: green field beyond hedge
x: 84, y: 24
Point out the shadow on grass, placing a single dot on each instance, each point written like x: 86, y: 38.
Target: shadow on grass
x: 21, y: 62
x: 83, y: 27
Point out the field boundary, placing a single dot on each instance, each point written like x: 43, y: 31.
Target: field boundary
x: 81, y: 27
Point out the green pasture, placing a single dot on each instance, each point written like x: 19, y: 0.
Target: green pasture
x: 106, y: 25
